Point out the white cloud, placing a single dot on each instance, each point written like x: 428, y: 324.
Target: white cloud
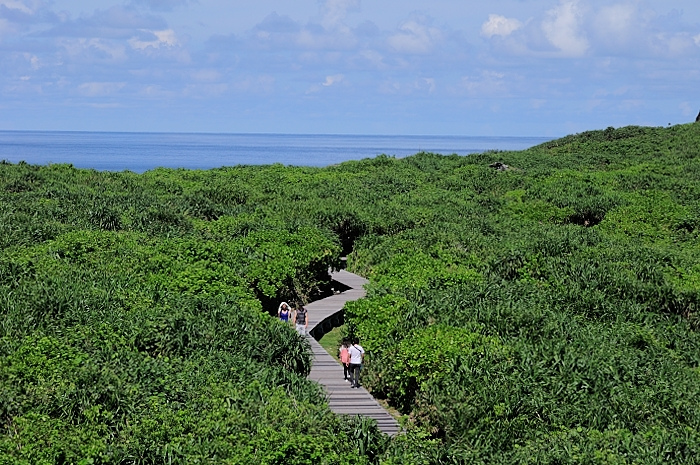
x: 335, y: 12
x: 498, y: 25
x: 100, y: 89
x: 539, y: 54
x: 617, y: 21
x: 277, y: 24
x: 342, y: 39
x: 414, y: 37
x: 332, y: 34
x: 154, y: 91
x: 622, y: 29
x: 489, y: 83
x: 162, y: 5
x: 562, y: 27
x: 335, y: 79
x: 8, y: 28
x: 17, y: 5
x: 33, y: 60
x: 165, y: 38
x: 573, y: 29
x: 373, y: 57
x: 93, y: 50
x: 408, y: 87
x: 667, y: 44
x: 329, y: 82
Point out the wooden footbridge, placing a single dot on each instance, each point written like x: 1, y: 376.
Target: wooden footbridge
x: 325, y: 314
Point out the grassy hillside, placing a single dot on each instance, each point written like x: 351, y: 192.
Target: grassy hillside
x: 546, y: 313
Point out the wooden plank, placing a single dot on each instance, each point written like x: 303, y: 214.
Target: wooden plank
x: 328, y: 372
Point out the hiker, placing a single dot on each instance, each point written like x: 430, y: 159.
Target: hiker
x: 283, y: 312
x: 345, y: 358
x: 357, y: 356
x: 301, y: 318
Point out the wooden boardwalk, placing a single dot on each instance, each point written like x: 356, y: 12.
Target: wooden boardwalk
x: 327, y: 371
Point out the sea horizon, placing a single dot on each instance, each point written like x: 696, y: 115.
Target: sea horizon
x: 342, y: 134
x: 144, y: 151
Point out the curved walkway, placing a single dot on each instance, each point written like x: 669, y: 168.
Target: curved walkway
x: 327, y: 371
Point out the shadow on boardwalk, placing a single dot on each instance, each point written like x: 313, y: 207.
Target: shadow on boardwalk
x: 326, y: 370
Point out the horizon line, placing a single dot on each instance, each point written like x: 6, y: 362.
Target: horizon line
x: 74, y: 131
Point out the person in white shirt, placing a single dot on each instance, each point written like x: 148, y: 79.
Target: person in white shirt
x: 357, y: 356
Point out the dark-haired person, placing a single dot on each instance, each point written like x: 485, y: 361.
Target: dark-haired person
x: 357, y: 356
x: 301, y: 319
x: 344, y: 356
x: 283, y: 312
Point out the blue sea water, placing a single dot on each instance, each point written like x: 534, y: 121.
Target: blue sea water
x: 139, y: 152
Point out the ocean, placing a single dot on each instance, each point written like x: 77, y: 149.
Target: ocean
x: 139, y: 152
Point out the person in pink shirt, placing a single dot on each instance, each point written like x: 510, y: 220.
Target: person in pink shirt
x: 345, y: 359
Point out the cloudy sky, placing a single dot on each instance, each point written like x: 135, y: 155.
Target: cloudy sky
x: 443, y: 67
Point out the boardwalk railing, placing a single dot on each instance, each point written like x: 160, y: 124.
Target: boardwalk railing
x: 327, y: 371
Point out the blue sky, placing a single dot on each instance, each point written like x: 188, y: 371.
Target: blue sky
x: 444, y: 67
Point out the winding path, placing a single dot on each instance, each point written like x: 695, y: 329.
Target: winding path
x: 327, y: 371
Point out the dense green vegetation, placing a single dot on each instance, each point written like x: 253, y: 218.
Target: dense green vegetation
x: 543, y: 314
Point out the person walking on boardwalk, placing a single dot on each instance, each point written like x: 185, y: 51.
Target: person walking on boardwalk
x: 357, y: 356
x: 301, y: 318
x: 345, y: 359
x: 283, y: 312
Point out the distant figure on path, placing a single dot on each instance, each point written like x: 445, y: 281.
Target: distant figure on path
x: 283, y: 312
x: 357, y: 356
x: 301, y: 318
x: 345, y: 359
